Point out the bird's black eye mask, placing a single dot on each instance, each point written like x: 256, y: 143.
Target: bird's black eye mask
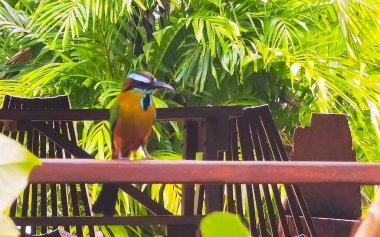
x: 141, y: 83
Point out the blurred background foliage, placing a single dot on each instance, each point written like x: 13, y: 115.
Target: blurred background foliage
x: 297, y: 56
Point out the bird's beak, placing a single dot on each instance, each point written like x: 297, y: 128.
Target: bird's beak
x: 160, y: 84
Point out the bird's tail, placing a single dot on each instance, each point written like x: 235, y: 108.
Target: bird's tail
x: 106, y: 201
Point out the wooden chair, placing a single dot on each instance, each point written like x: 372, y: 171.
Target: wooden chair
x: 259, y: 141
x: 250, y: 137
x: 248, y: 134
x: 69, y: 202
x: 42, y: 138
x: 334, y: 208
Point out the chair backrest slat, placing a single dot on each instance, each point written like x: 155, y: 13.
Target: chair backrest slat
x: 53, y: 187
x: 262, y: 153
x: 281, y: 211
x: 280, y: 155
x: 72, y: 187
x: 200, y: 200
x: 43, y: 202
x: 247, y: 154
x: 235, y: 156
x: 256, y: 137
x: 230, y: 187
x: 64, y: 199
x: 27, y: 191
x: 265, y: 135
x: 35, y: 187
x: 21, y: 140
x: 251, y: 211
x: 260, y: 140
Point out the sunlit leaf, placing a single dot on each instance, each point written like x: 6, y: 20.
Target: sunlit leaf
x: 16, y: 162
x: 223, y: 225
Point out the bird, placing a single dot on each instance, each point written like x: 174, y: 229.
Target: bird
x: 131, y: 120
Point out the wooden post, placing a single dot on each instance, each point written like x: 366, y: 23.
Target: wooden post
x: 188, y: 193
x: 190, y: 150
x: 215, y: 145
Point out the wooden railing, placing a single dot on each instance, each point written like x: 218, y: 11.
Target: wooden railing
x: 103, y: 114
x: 204, y: 172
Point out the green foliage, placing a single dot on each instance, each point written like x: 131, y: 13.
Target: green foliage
x: 219, y: 224
x: 16, y: 162
x: 297, y: 56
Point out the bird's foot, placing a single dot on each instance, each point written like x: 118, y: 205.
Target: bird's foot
x: 121, y: 158
x: 148, y: 157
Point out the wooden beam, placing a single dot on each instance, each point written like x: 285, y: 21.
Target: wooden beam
x: 58, y: 138
x: 203, y: 172
x: 103, y: 114
x: 104, y: 220
x: 54, y: 114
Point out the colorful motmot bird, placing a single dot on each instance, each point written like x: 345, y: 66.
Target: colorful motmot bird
x: 131, y: 120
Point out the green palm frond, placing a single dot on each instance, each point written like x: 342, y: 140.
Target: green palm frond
x: 13, y: 20
x: 31, y: 83
x: 69, y: 17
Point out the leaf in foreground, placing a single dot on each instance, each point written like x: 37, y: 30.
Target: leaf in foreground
x: 220, y: 224
x: 16, y: 162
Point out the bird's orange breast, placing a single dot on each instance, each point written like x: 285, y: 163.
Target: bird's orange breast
x: 134, y: 124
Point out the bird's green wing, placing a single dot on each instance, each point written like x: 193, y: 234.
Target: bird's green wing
x: 114, y: 112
